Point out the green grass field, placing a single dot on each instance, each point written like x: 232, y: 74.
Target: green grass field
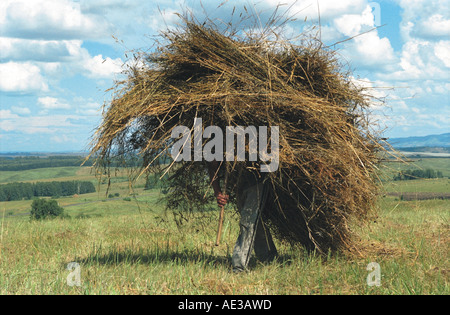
x: 437, y: 164
x: 38, y: 174
x: 132, y: 246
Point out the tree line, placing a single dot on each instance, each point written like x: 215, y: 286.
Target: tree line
x: 34, y: 162
x: 416, y: 174
x: 19, y: 191
x: 23, y: 163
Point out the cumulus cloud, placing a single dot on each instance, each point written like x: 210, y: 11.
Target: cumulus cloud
x: 48, y: 102
x: 54, y: 58
x: 21, y: 77
x: 18, y: 49
x: 44, y: 42
x: 366, y: 50
x: 435, y: 26
x: 81, y: 62
x: 423, y: 60
x: 423, y: 19
x: 48, y: 19
x: 354, y: 24
x: 442, y: 51
x: 99, y: 67
x: 371, y: 51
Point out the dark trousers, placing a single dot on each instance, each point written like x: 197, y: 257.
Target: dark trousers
x: 253, y: 232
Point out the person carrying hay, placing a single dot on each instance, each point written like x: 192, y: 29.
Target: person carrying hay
x: 252, y: 194
x: 328, y: 154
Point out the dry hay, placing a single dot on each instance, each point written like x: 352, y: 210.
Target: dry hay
x: 227, y: 77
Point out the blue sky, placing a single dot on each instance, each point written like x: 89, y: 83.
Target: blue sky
x: 58, y: 57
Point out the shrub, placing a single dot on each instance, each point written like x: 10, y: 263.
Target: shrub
x: 42, y: 209
x: 416, y: 174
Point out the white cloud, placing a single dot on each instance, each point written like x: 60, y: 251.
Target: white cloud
x: 399, y: 104
x: 369, y: 50
x: 354, y: 24
x: 366, y: 50
x: 43, y: 42
x: 52, y: 59
x: 422, y: 59
x: 424, y: 19
x: 442, y: 51
x: 424, y: 55
x: 328, y: 9
x: 18, y: 49
x: 48, y: 102
x: 443, y: 88
x: 51, y: 68
x: 56, y: 59
x: 7, y: 125
x: 21, y: 77
x: 435, y: 26
x: 21, y: 110
x: 90, y: 109
x: 77, y: 60
x: 37, y: 124
x: 99, y: 67
x: 48, y: 19
x: 165, y: 18
x: 61, y: 139
x: 329, y: 34
x: 6, y: 114
x: 102, y: 6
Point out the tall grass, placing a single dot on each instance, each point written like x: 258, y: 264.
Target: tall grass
x: 142, y: 251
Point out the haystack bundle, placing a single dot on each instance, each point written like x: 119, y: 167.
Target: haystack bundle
x: 327, y: 156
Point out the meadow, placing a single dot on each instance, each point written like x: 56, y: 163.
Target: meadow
x: 126, y: 243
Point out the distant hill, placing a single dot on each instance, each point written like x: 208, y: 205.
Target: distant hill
x: 432, y: 141
x: 8, y: 154
x: 427, y: 149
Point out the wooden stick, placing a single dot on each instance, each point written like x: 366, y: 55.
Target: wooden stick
x: 222, y: 210
x: 219, y: 230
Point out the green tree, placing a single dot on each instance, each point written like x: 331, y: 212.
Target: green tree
x: 85, y: 187
x: 42, y: 209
